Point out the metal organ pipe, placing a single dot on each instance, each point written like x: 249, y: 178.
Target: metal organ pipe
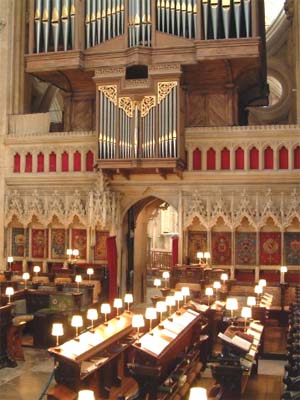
x: 46, y: 23
x: 38, y: 23
x: 139, y: 23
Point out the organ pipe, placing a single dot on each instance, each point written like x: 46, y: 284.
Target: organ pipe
x: 226, y: 16
x: 237, y: 17
x: 38, y: 23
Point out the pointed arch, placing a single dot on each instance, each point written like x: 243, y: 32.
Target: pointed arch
x: 225, y: 158
x: 268, y: 158
x: 211, y: 159
x: 40, y: 162
x: 239, y: 158
x: 77, y: 161
x: 28, y: 162
x: 65, y: 162
x: 283, y: 158
x: 89, y: 161
x: 254, y: 158
x: 17, y: 163
x: 197, y: 159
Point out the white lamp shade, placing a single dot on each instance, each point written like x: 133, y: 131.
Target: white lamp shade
x: 166, y: 275
x: 77, y: 321
x: 161, y: 306
x: 78, y: 278
x: 185, y: 291
x: 86, y: 395
x: 251, y: 301
x: 128, y: 298
x: 283, y: 269
x: 262, y: 282
x: 207, y: 254
x: 198, y: 393
x: 170, y: 301
x: 69, y: 252
x: 157, y: 282
x: 9, y: 291
x: 75, y: 252
x: 224, y: 277
x: 231, y: 303
x: 209, y: 291
x: 57, y: 329
x: 258, y: 289
x: 118, y: 303
x: 92, y: 314
x: 90, y: 271
x: 138, y: 321
x: 217, y: 285
x: 246, y: 312
x: 199, y: 254
x: 36, y: 269
x: 105, y: 308
x: 10, y: 259
x: 26, y: 276
x: 178, y: 296
x: 150, y: 313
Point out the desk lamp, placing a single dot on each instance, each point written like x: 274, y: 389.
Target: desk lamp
x: 209, y: 291
x: 251, y: 301
x: 105, y: 309
x: 161, y: 307
x: 262, y: 283
x: 78, y: 280
x: 198, y: 393
x: 10, y: 260
x: 178, y: 297
x: 9, y: 291
x: 224, y: 277
x: 246, y: 313
x: 36, y: 269
x: 283, y: 270
x: 128, y: 298
x: 92, y: 315
x: 151, y: 313
x: 206, y: 256
x: 231, y: 305
x: 77, y: 322
x: 86, y: 395
x: 26, y: 276
x: 57, y: 330
x: 157, y: 283
x: 170, y: 302
x: 166, y: 277
x: 217, y: 286
x: 118, y: 303
x: 138, y: 322
x: 258, y: 290
x: 199, y: 256
x: 90, y: 272
x: 185, y: 290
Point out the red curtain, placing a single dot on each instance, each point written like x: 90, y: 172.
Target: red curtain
x: 225, y: 159
x: 196, y: 160
x: 89, y: 166
x: 112, y: 267
x: 28, y: 163
x: 17, y: 163
x: 65, y: 162
x: 254, y: 161
x: 283, y: 158
x: 239, y: 158
x: 174, y: 250
x: 297, y: 157
x: 77, y: 161
x: 268, y: 156
x: 40, y: 162
x: 211, y: 159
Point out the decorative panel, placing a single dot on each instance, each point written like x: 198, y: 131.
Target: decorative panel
x: 79, y: 237
x: 39, y: 243
x: 221, y: 248
x: 100, y: 246
x: 18, y: 242
x: 270, y: 248
x: 58, y: 241
x: 245, y: 248
x: 292, y: 248
x: 197, y: 241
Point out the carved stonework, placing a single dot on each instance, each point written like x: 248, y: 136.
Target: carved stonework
x: 105, y: 72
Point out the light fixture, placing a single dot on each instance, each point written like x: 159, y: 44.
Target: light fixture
x: 78, y: 280
x: 206, y: 256
x: 166, y: 277
x: 138, y: 322
x: 57, y: 330
x: 118, y: 303
x: 90, y: 272
x: 77, y: 322
x: 246, y: 313
x: 231, y: 305
x: 199, y: 256
x: 128, y: 298
x: 217, y: 285
x: 150, y: 314
x: 170, y: 302
x: 224, y: 277
x: 86, y: 395
x: 92, y: 315
x: 251, y: 301
x: 185, y: 290
x: 10, y: 260
x: 178, y: 297
x: 283, y: 270
x: 258, y: 290
x: 209, y: 291
x: 198, y: 393
x: 75, y: 253
x: 26, y: 276
x: 105, y: 309
x: 9, y: 291
x: 161, y: 307
x: 157, y: 282
x: 262, y: 283
x: 36, y: 269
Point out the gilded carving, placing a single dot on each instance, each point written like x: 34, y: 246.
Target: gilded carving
x: 147, y: 103
x: 164, y: 88
x: 110, y: 92
x: 127, y: 105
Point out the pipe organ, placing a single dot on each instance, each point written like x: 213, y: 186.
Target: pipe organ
x: 146, y: 128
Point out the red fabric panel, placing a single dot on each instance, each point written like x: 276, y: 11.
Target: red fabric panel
x: 16, y: 266
x: 211, y: 159
x: 89, y: 166
x: 197, y: 160
x: 239, y: 158
x: 268, y: 158
x: 77, y: 161
x: 270, y: 248
x: 174, y: 250
x: 297, y: 157
x: 40, y: 162
x: 28, y: 163
x: 244, y: 276
x: 270, y: 276
x: 65, y: 162
x: 17, y: 163
x: 283, y: 158
x: 292, y: 276
x: 52, y: 162
x: 254, y: 158
x: 112, y: 267
x: 225, y: 159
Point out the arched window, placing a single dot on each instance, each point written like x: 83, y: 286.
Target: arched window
x: 28, y: 162
x: 89, y: 162
x: 211, y: 159
x: 64, y: 162
x: 297, y: 157
x: 40, y: 162
x: 77, y: 161
x: 268, y: 158
x: 239, y: 158
x: 197, y: 159
x: 225, y: 158
x: 17, y: 163
x: 52, y: 162
x: 254, y: 158
x: 283, y: 158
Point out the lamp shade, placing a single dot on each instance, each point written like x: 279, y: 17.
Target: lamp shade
x: 206, y: 254
x: 138, y: 321
x: 57, y: 329
x: 185, y: 290
x: 86, y: 395
x: 231, y: 303
x: 283, y: 269
x: 105, y: 308
x: 9, y: 291
x: 78, y: 278
x: 118, y: 303
x: 151, y: 313
x: 10, y: 259
x: 217, y: 285
x: 36, y: 269
x: 198, y: 393
x: 92, y: 314
x: 75, y: 252
x: 199, y: 254
x: 178, y: 296
x: 166, y: 275
x: 161, y: 306
x: 90, y: 271
x: 251, y: 301
x: 262, y: 283
x: 26, y: 276
x: 224, y: 277
x: 69, y: 252
x: 170, y: 301
x: 258, y: 289
x: 77, y: 321
x: 209, y: 291
x: 128, y: 298
x: 246, y: 312
x: 157, y: 282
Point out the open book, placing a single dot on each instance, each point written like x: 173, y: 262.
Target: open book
x: 236, y: 341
